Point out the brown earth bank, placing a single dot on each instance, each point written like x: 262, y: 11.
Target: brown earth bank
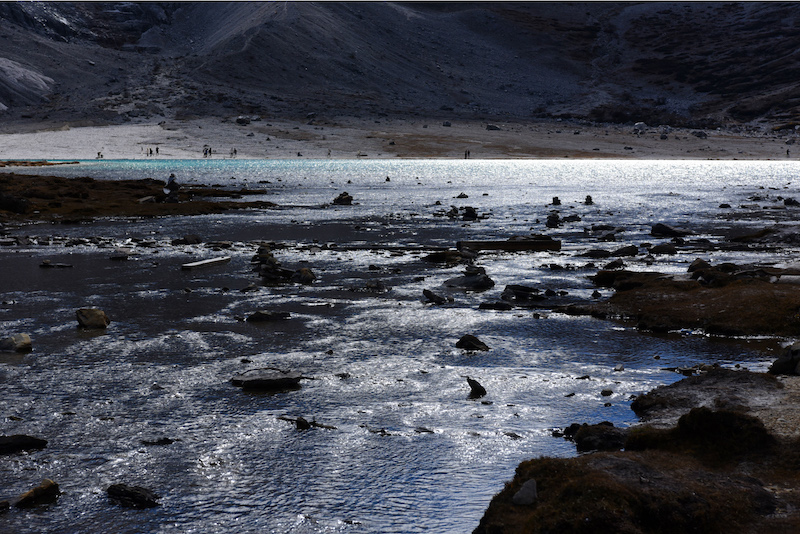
x: 74, y: 200
x: 746, y: 302
x: 719, y: 469
x: 717, y: 452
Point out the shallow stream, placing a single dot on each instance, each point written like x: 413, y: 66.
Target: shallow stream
x: 410, y: 452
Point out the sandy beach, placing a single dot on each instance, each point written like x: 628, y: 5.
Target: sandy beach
x: 348, y: 138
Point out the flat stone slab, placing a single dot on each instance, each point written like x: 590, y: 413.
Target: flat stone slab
x: 267, y: 379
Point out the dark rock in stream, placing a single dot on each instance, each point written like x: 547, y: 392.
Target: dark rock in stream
x: 522, y: 296
x: 344, y: 199
x: 267, y: 379
x: 470, y: 342
x: 497, y: 306
x: 45, y: 493
x: 630, y: 250
x: 190, y: 239
x: 132, y: 496
x: 20, y: 442
x: 92, y: 318
x: 451, y: 257
x: 434, y: 298
x: 476, y: 389
x: 16, y: 343
x: 474, y: 279
x: 264, y: 316
x: 787, y: 363
x: 664, y: 248
x: 303, y: 276
x: 664, y: 230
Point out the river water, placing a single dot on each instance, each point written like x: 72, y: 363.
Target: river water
x: 409, y: 452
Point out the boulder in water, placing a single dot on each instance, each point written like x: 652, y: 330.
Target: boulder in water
x: 344, y: 199
x: 434, y: 298
x: 476, y: 389
x: 20, y: 442
x: 132, y: 496
x: 92, y: 318
x: 665, y: 230
x: 264, y: 316
x: 44, y: 493
x: 474, y: 279
x: 303, y: 276
x: 16, y: 343
x: 470, y: 342
x: 267, y: 379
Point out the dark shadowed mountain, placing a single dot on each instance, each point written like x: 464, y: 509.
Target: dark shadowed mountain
x: 696, y: 64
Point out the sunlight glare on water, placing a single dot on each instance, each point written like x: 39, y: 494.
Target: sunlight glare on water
x: 406, y: 450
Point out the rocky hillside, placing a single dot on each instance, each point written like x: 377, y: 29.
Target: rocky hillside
x: 695, y: 64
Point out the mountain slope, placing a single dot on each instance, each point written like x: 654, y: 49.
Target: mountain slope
x: 681, y: 63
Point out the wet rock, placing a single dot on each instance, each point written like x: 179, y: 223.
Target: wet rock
x: 462, y: 195
x: 588, y: 201
x: 120, y: 254
x: 788, y: 363
x: 446, y: 256
x: 470, y: 342
x: 344, y: 199
x: 526, y: 495
x: 190, y: 239
x: 4, y: 506
x: 264, y: 316
x: 372, y: 286
x: 522, y: 296
x: 132, y: 496
x: 664, y: 230
x: 45, y: 493
x: 92, y: 318
x: 498, y: 306
x: 596, y: 254
x: 556, y: 201
x: 302, y: 424
x: 470, y: 214
x: 698, y: 264
x: 303, y: 276
x: 16, y: 343
x: 474, y: 279
x: 435, y: 298
x: 267, y: 379
x: 630, y: 250
x: 553, y: 220
x: 616, y: 264
x: 664, y: 248
x: 269, y: 268
x: 476, y: 389
x: 20, y: 442
x: 600, y: 437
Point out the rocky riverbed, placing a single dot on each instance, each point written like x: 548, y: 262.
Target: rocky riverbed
x: 595, y: 271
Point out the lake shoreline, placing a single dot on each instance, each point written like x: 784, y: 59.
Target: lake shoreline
x: 254, y: 137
